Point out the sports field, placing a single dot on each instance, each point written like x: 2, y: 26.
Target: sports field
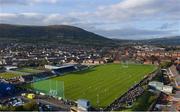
x: 100, y: 85
x: 19, y: 72
x: 8, y: 75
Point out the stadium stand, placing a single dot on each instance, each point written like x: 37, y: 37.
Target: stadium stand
x: 64, y: 70
x: 37, y: 76
x: 48, y: 74
x: 131, y: 95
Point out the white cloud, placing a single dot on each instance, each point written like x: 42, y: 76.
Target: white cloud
x: 36, y: 19
x: 44, y: 1
x: 21, y: 18
x: 26, y: 2
x: 134, y: 33
x: 141, y: 10
x: 30, y: 14
x: 7, y: 15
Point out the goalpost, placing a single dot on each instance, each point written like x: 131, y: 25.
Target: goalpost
x: 50, y: 87
x: 56, y: 88
x: 125, y: 63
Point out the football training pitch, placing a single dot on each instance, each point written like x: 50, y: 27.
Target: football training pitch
x: 100, y: 85
x: 8, y: 75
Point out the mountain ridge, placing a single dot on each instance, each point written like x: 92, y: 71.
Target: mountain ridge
x: 52, y: 33
x: 170, y: 40
x: 66, y: 34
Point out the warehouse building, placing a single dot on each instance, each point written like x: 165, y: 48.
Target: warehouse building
x: 83, y: 105
x: 159, y: 86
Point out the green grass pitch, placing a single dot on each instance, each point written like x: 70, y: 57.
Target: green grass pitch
x: 8, y: 75
x: 100, y: 85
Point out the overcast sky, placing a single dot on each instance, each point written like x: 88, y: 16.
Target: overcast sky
x: 123, y: 19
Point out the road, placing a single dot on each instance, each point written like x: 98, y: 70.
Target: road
x: 174, y: 73
x: 62, y: 107
x: 175, y: 97
x: 53, y: 102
